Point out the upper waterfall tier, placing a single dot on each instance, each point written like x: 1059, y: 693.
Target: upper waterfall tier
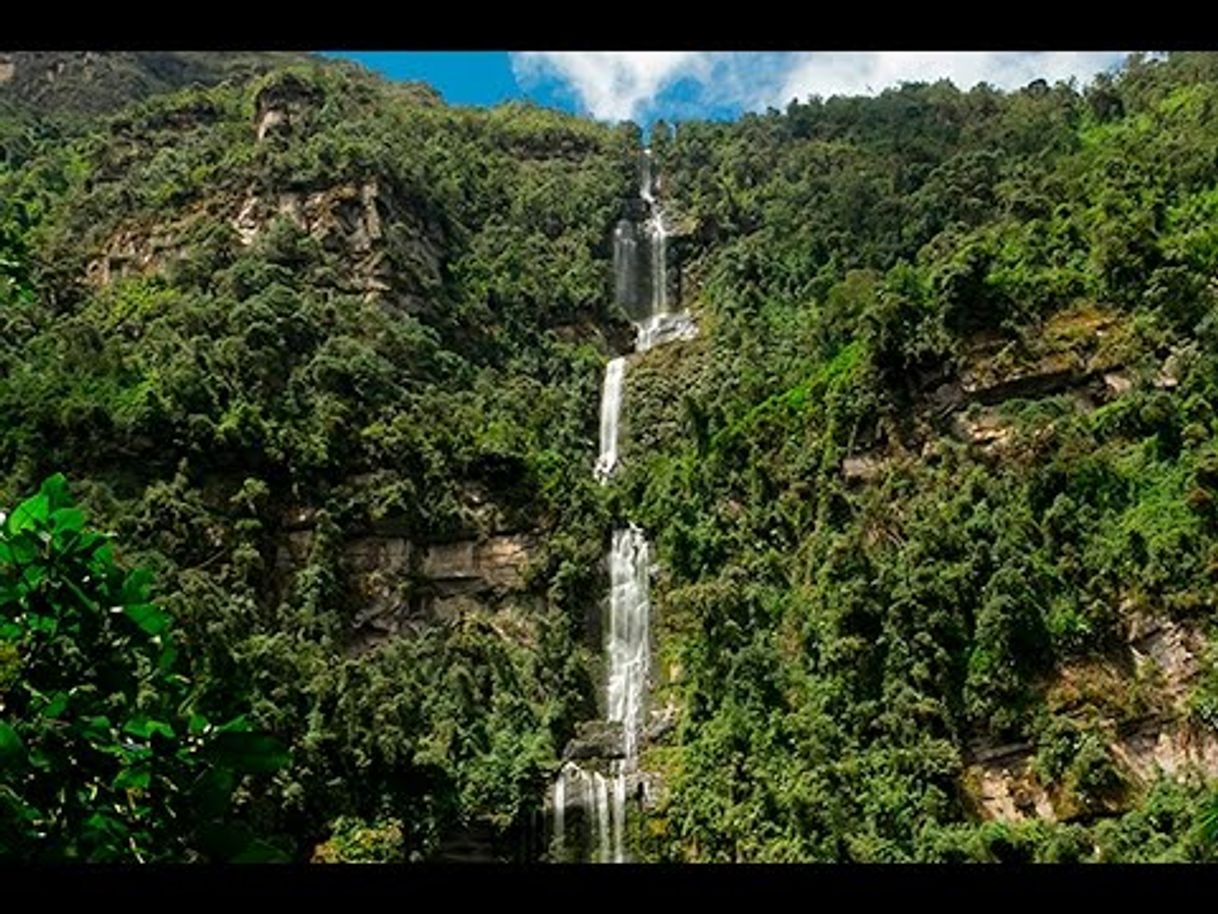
x: 642, y: 284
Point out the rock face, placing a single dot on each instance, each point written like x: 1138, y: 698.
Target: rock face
x: 399, y: 586
x: 986, y: 430
x: 284, y: 107
x: 354, y: 221
x: 596, y: 739
x: 1000, y: 782
x: 863, y: 468
x: 1170, y: 648
x: 130, y: 252
x: 1177, y: 751
x: 496, y: 563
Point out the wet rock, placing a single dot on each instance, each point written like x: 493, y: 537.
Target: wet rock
x: 596, y: 739
x: 661, y: 724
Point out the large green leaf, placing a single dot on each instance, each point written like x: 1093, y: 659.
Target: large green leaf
x: 147, y: 616
x: 24, y: 548
x: 214, y: 790
x: 239, y: 724
x: 29, y: 514
x: 11, y: 748
x: 96, y: 729
x: 132, y: 779
x: 144, y: 727
x: 67, y: 520
x: 55, y: 490
x: 137, y: 586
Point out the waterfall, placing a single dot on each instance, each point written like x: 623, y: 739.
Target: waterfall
x: 560, y: 807
x: 645, y: 179
x: 603, y: 799
x: 626, y: 267
x: 629, y: 608
x: 658, y: 233
x: 611, y: 406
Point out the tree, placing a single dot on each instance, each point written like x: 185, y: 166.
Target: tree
x: 103, y: 755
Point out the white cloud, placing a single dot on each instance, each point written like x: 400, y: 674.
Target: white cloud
x: 827, y: 74
x: 613, y: 85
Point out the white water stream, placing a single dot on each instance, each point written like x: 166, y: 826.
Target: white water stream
x: 603, y: 798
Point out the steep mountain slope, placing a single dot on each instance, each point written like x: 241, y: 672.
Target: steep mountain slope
x: 89, y: 83
x: 321, y: 351
x: 932, y: 491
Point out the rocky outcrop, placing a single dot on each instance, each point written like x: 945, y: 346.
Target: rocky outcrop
x: 399, y: 586
x: 133, y: 252
x: 1161, y: 741
x: 1170, y: 648
x: 1050, y: 376
x: 1149, y: 747
x: 352, y: 220
x: 1001, y: 784
x: 596, y: 739
x: 284, y: 106
x: 863, y: 468
x: 984, y: 429
x: 471, y: 566
x: 356, y: 220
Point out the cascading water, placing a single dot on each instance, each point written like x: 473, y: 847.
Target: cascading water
x: 602, y: 799
x: 626, y: 268
x: 629, y: 608
x: 611, y: 407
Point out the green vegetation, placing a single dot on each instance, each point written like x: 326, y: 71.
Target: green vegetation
x: 946, y: 435
x: 105, y: 753
x: 845, y: 647
x: 406, y: 354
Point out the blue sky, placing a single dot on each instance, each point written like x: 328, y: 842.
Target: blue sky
x: 677, y: 85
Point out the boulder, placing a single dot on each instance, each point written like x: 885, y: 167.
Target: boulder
x: 596, y: 739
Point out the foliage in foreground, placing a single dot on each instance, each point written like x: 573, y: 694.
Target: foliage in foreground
x: 104, y: 753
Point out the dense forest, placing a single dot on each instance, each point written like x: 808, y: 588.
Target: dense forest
x: 303, y: 555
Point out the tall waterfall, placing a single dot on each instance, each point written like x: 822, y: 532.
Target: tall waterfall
x: 602, y: 798
x: 611, y: 407
x: 629, y: 609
